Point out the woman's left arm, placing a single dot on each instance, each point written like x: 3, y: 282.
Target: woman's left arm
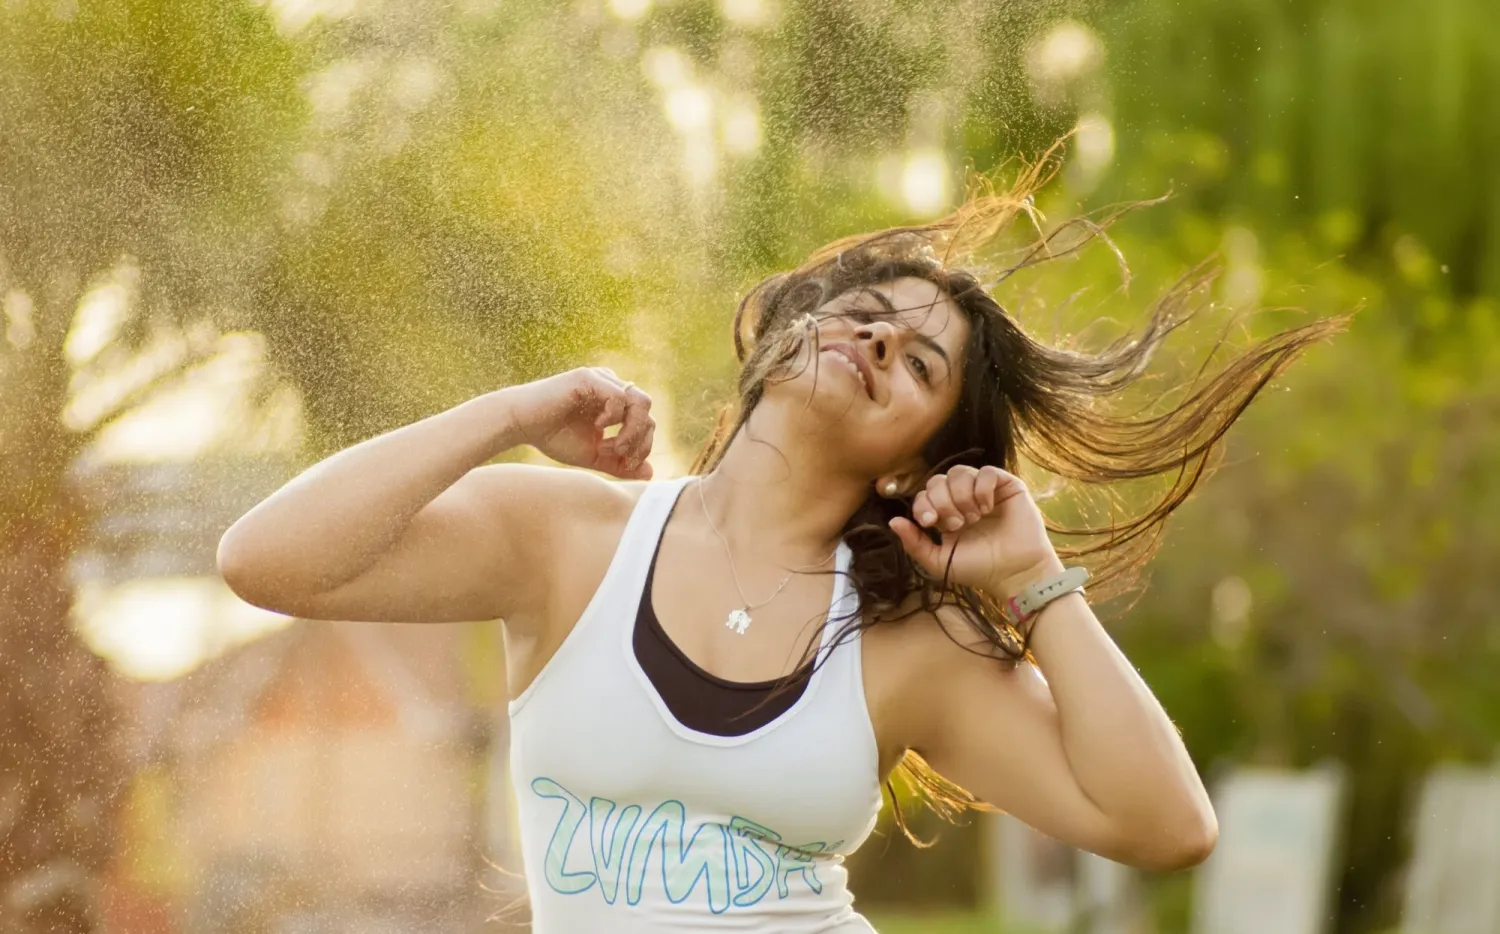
x: 1087, y: 755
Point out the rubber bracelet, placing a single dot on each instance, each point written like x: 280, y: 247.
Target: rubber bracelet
x: 1029, y: 602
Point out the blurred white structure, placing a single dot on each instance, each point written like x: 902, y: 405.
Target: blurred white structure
x: 1454, y: 882
x: 1039, y: 884
x: 148, y: 596
x: 1272, y: 868
x: 1108, y: 898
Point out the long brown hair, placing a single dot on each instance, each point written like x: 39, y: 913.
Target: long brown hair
x: 1059, y: 410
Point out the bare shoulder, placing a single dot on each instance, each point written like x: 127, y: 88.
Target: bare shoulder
x: 576, y: 520
x: 934, y: 641
x: 544, y: 496
x: 564, y: 524
x: 566, y: 519
x: 920, y: 661
x: 953, y: 646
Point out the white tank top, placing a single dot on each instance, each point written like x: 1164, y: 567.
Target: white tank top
x: 631, y: 823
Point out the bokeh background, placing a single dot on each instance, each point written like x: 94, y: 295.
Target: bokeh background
x: 236, y: 236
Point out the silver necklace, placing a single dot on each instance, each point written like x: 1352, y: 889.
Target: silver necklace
x: 739, y: 619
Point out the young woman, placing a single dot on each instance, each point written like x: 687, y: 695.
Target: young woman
x: 713, y: 676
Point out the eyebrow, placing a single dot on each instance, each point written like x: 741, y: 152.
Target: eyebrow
x: 923, y: 339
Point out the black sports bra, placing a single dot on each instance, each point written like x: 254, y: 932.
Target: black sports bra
x: 699, y: 700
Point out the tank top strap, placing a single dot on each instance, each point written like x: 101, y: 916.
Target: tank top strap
x: 620, y: 591
x: 842, y: 612
x: 649, y: 518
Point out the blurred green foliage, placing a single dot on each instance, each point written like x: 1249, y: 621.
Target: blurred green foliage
x: 415, y: 202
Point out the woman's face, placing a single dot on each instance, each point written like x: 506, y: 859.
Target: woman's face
x: 887, y: 374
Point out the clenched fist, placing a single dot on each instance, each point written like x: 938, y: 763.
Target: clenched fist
x: 565, y: 417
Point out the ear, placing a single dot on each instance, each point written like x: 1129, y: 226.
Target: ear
x: 900, y: 484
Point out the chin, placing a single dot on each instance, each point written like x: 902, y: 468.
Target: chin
x: 831, y: 398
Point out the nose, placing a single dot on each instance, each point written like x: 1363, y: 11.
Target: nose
x: 879, y: 339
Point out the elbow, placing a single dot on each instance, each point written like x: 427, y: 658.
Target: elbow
x: 227, y: 556
x: 234, y: 549
x: 1183, y: 846
x: 1192, y: 850
x: 251, y: 570
x: 230, y: 561
x: 240, y: 571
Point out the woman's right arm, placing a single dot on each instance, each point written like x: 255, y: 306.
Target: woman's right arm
x: 408, y: 527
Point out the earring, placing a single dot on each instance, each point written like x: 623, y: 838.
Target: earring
x: 890, y: 488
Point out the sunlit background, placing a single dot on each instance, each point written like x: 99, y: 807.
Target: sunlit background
x: 236, y: 236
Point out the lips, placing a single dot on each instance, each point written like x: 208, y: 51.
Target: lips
x: 857, y: 364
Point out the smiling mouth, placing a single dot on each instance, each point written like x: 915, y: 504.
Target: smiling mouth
x: 846, y: 359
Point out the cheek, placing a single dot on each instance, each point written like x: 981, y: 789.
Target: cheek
x: 901, y: 429
x: 919, y: 411
x: 918, y: 422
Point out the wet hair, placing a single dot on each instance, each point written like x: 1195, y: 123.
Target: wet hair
x: 1024, y: 405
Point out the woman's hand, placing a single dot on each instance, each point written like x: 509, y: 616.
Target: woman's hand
x: 565, y: 416
x: 991, y: 529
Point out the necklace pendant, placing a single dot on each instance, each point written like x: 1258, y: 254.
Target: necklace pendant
x: 738, y: 620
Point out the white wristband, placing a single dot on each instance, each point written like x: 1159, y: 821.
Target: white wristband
x: 1029, y: 602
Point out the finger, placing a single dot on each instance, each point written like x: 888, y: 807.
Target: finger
x: 612, y: 462
x: 949, y: 517
x: 633, y: 453
x: 921, y: 548
x: 922, y: 508
x: 643, y: 450
x: 636, y: 468
x: 985, y: 486
x: 961, y: 488
x: 605, y: 382
x: 1009, y: 485
x: 637, y: 423
x: 612, y: 409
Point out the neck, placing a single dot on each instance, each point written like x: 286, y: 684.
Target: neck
x: 775, y: 494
